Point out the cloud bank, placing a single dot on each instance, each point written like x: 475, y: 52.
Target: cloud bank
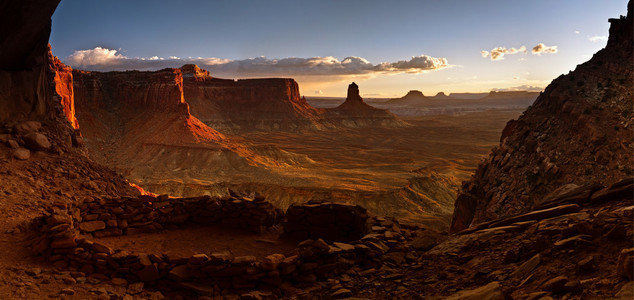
x: 102, y: 59
x: 499, y: 52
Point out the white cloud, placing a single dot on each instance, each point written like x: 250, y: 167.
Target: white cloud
x: 597, y: 38
x: 101, y: 59
x: 541, y: 48
x: 577, y: 32
x: 499, y: 52
x: 95, y: 56
x: 319, y: 92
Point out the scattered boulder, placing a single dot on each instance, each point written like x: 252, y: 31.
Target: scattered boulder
x: 557, y: 284
x: 13, y: 144
x: 27, y: 127
x: 426, y: 241
x: 22, y: 153
x: 586, y: 264
x: 67, y: 291
x: 527, y: 267
x: 92, y: 226
x: 180, y: 273
x: 37, y: 141
x: 341, y: 293
x: 272, y: 261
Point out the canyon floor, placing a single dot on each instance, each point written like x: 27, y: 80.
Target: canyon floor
x: 410, y: 172
x: 367, y: 160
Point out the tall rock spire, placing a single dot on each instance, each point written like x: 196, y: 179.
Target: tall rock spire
x: 353, y: 93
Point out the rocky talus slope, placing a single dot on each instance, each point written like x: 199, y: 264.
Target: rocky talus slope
x: 577, y: 133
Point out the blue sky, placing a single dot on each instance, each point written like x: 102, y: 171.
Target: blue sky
x: 255, y: 38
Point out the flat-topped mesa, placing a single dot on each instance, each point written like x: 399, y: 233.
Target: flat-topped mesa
x: 576, y: 134
x: 412, y: 97
x: 415, y: 94
x: 227, y: 104
x: 441, y: 95
x: 153, y: 91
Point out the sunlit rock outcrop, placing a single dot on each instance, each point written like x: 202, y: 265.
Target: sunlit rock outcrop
x: 577, y: 132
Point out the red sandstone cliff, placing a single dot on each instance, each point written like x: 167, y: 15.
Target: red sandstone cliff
x: 139, y: 123
x: 33, y: 85
x: 271, y: 103
x: 135, y: 108
x: 578, y: 132
x: 159, y: 91
x: 64, y: 92
x: 37, y: 113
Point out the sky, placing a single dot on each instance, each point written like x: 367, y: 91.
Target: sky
x: 386, y: 47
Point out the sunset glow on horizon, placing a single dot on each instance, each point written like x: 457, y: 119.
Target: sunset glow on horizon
x: 387, y: 48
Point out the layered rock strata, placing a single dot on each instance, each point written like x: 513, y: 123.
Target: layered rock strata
x: 246, y: 104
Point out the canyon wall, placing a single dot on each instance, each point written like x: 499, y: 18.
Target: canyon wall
x: 33, y: 86
x: 271, y: 104
x: 226, y: 104
x: 577, y: 133
x: 64, y: 90
x: 159, y: 91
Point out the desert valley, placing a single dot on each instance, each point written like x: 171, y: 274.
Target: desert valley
x: 172, y: 183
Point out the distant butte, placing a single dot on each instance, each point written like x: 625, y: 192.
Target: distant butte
x: 354, y: 100
x: 441, y: 95
x: 354, y: 112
